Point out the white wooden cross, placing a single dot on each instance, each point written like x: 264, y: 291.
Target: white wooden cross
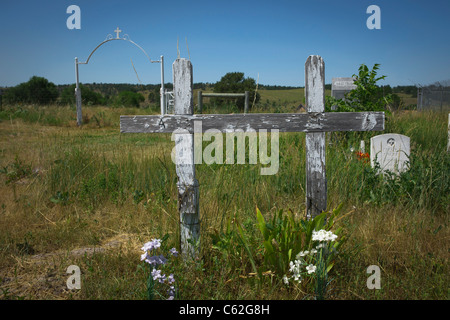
x: 117, y: 31
x: 315, y: 123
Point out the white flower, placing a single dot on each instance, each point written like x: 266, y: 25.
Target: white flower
x: 298, y: 277
x: 318, y: 235
x: 321, y: 245
x: 323, y: 235
x: 294, y: 268
x: 333, y: 237
x: 311, y: 269
x: 301, y: 254
x: 285, y: 279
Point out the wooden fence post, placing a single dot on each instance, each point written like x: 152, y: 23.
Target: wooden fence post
x: 247, y: 101
x: 316, y: 183
x: 200, y: 101
x: 188, y: 193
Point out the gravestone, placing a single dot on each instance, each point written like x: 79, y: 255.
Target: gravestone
x: 341, y: 86
x: 391, y: 151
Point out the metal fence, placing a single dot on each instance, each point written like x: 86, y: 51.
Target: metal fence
x: 433, y: 98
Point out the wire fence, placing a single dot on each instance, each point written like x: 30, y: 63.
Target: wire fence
x: 435, y: 98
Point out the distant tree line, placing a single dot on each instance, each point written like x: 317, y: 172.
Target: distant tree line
x: 40, y: 91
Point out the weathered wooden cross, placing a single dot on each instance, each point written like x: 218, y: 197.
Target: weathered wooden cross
x: 315, y: 123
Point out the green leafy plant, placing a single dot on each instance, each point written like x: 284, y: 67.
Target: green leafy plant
x: 285, y: 239
x: 232, y: 243
x: 367, y: 96
x: 16, y: 170
x: 60, y: 197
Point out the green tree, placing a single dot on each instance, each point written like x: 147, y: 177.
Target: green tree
x: 367, y: 96
x: 88, y: 97
x: 234, y: 82
x: 154, y: 96
x: 129, y: 99
x: 37, y: 90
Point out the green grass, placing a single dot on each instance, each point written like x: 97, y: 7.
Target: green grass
x: 65, y: 188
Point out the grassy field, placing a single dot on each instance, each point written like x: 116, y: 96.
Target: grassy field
x: 92, y: 197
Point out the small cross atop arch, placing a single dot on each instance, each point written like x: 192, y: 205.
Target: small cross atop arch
x: 117, y: 31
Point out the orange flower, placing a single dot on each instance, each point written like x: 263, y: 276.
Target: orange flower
x: 363, y: 156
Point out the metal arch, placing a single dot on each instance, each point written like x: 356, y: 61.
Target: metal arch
x: 109, y: 38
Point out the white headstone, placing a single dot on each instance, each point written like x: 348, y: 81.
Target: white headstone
x: 391, y: 151
x: 341, y: 86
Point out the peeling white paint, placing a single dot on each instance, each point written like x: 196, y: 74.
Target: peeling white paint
x: 369, y: 122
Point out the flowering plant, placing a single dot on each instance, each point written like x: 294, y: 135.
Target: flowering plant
x: 364, y: 157
x: 156, y: 276
x: 313, y: 247
x: 316, y: 261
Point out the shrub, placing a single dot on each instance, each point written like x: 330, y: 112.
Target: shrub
x: 88, y: 97
x: 366, y: 97
x: 37, y: 90
x: 234, y: 82
x: 129, y: 99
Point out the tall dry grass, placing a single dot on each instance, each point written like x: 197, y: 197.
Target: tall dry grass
x: 67, y: 193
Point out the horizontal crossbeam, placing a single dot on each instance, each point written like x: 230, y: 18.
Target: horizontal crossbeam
x: 223, y: 95
x: 283, y: 122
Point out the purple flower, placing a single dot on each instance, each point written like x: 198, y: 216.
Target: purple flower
x: 154, y: 244
x: 156, y: 274
x: 155, y: 260
x: 174, y: 252
x: 162, y: 278
x: 171, y: 293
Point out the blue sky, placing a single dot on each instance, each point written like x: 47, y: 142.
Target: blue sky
x: 267, y: 40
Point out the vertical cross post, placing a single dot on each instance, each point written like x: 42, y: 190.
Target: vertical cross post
x: 316, y: 183
x: 188, y: 192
